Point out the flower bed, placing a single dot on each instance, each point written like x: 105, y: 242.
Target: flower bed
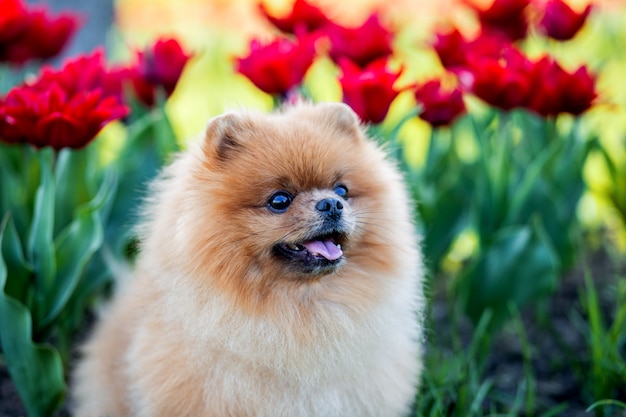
x: 512, y: 131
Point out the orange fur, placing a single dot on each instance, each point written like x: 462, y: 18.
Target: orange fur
x: 214, y: 324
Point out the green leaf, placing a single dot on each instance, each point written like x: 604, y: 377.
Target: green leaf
x: 10, y: 179
x: 537, y: 134
x: 40, y: 245
x: 74, y: 248
x: 444, y: 215
x: 20, y: 173
x: 530, y: 177
x: 36, y: 370
x: 96, y: 276
x: 148, y: 147
x: 604, y: 403
x: 488, y: 207
x: 19, y: 270
x: 164, y: 131
x: 556, y: 213
x: 518, y: 266
x: 74, y: 174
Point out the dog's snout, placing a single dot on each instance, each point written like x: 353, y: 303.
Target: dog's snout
x: 330, y: 207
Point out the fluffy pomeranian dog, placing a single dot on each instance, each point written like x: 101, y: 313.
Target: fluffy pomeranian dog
x: 279, y: 275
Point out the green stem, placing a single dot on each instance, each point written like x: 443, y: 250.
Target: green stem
x: 552, y: 133
x: 500, y: 175
x: 431, y: 153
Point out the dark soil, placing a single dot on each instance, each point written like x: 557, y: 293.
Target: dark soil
x: 10, y: 404
x: 558, y: 348
x: 557, y: 333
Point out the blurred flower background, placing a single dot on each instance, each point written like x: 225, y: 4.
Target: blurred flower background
x: 221, y: 30
x: 508, y: 118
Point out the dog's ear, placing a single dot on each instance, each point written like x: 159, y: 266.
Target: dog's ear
x: 221, y: 136
x: 342, y: 118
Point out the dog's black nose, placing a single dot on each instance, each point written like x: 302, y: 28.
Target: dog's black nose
x: 330, y: 207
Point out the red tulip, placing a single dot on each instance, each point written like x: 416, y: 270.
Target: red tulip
x: 158, y: 66
x: 278, y: 66
x: 12, y: 20
x: 303, y: 18
x: 558, y: 91
x: 370, y: 90
x: 38, y: 35
x: 560, y: 22
x: 503, y: 82
x: 439, y: 106
x: 581, y: 92
x: 118, y: 82
x: 57, y: 110
x: 455, y: 51
x: 505, y: 16
x: 361, y: 45
x: 546, y: 97
x: 83, y: 73
x: 451, y: 48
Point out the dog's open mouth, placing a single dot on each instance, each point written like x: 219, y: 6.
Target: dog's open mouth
x: 318, y: 254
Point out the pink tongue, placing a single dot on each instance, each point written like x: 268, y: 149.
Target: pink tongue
x: 327, y: 249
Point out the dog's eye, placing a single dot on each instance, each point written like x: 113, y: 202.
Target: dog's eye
x: 279, y: 201
x: 341, y: 191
